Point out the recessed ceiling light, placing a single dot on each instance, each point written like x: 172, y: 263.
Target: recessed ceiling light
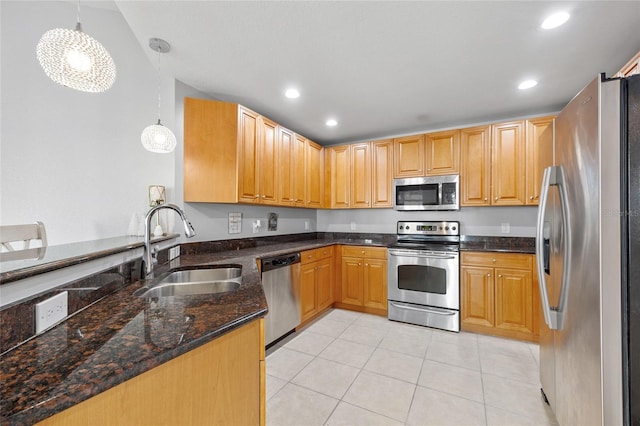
x: 555, y: 20
x: 331, y: 122
x: 292, y: 93
x: 527, y: 84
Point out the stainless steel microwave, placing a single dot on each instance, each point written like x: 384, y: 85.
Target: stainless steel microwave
x: 427, y: 193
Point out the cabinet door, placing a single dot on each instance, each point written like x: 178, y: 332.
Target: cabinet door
x: 514, y: 300
x: 339, y: 168
x: 508, y: 164
x: 299, y: 171
x: 375, y: 283
x: 360, y: 178
x: 285, y: 166
x: 324, y: 274
x: 268, y: 162
x: 248, y: 157
x: 382, y: 173
x: 352, y: 280
x: 539, y: 155
x: 443, y: 153
x: 477, y: 296
x: 408, y: 154
x: 308, y: 305
x: 313, y: 174
x: 475, y: 166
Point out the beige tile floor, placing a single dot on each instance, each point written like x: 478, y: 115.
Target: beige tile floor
x: 349, y: 368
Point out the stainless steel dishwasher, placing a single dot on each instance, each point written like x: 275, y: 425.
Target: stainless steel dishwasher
x: 281, y: 283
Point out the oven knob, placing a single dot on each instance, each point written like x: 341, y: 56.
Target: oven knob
x: 446, y: 228
x: 453, y: 228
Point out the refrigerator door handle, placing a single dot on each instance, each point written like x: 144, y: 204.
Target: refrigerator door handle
x: 553, y: 316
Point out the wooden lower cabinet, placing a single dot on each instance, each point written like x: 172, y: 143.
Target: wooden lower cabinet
x: 498, y: 294
x: 221, y: 382
x: 316, y: 282
x: 363, y: 279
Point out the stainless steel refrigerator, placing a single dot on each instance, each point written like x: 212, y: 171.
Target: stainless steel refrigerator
x: 587, y: 248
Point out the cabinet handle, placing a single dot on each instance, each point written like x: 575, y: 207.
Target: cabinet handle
x: 359, y: 264
x: 362, y: 252
x: 531, y: 197
x: 489, y: 275
x: 496, y: 198
x: 257, y: 196
x: 494, y: 260
x: 366, y: 264
x: 486, y: 199
x: 500, y: 276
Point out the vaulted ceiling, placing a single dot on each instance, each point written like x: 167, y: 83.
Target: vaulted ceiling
x: 386, y: 68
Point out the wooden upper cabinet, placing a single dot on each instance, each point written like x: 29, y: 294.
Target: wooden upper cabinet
x: 286, y: 166
x: 268, y: 161
x: 360, y: 178
x: 313, y: 177
x: 382, y: 173
x: 539, y: 155
x: 508, y: 163
x: 248, y: 177
x: 630, y: 68
x: 409, y: 156
x: 337, y: 179
x: 212, y: 132
x: 299, y: 171
x: 475, y: 166
x: 443, y: 153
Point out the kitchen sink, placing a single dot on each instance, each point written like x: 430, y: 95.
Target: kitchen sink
x: 188, y: 282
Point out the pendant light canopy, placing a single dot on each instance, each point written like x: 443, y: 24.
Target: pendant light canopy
x: 74, y: 59
x: 156, y: 137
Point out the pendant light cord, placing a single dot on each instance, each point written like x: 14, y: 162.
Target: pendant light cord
x: 78, y: 25
x: 158, y: 86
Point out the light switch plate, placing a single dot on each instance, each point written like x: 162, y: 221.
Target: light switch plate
x: 235, y: 223
x: 505, y: 228
x: 51, y: 311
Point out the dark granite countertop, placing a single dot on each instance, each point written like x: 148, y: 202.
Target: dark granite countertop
x: 50, y: 258
x: 525, y: 245
x: 122, y: 336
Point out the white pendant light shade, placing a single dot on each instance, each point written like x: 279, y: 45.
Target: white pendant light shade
x: 74, y: 59
x: 158, y: 138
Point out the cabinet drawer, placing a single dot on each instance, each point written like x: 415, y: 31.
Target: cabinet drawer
x: 316, y: 254
x: 365, y: 251
x: 498, y: 260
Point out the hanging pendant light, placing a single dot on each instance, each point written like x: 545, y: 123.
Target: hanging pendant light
x: 74, y: 59
x: 156, y: 137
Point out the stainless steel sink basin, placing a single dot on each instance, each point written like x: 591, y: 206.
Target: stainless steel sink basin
x: 202, y: 275
x: 189, y: 282
x: 189, y: 289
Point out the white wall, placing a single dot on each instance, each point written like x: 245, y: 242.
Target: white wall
x: 211, y: 220
x: 473, y: 220
x: 72, y: 159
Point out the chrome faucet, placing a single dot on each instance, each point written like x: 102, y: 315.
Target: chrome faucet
x: 150, y: 256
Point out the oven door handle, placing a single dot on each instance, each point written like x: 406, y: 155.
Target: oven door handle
x: 424, y: 309
x: 415, y: 254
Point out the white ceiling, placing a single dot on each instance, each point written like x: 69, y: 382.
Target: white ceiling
x: 389, y: 67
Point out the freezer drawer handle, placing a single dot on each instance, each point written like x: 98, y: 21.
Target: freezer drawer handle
x: 553, y: 316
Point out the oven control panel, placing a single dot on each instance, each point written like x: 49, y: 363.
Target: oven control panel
x: 429, y: 228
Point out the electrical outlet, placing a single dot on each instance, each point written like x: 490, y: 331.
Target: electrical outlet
x: 256, y: 226
x: 306, y: 225
x: 51, y: 311
x: 353, y: 226
x: 505, y: 228
x: 174, y: 252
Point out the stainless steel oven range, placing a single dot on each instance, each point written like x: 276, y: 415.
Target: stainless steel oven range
x: 423, y: 275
